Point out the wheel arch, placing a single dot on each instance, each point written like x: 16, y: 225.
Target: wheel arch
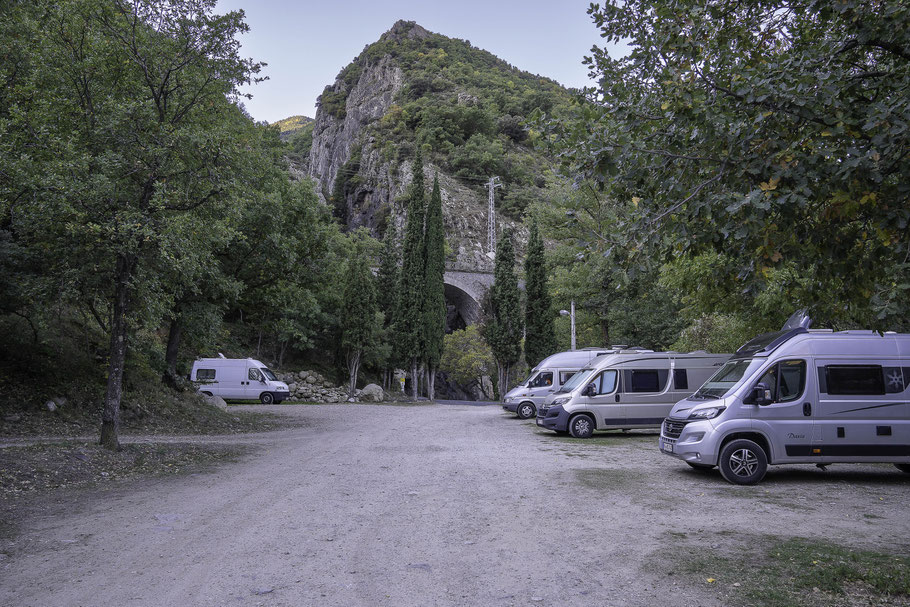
x: 756, y: 437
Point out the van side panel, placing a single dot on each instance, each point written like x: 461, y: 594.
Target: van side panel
x: 863, y: 411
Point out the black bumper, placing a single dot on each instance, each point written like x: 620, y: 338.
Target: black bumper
x: 555, y: 418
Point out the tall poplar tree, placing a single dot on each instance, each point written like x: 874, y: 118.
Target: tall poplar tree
x: 502, y: 329
x: 358, y: 314
x: 387, y: 281
x: 540, y: 337
x: 434, y: 307
x: 409, y: 325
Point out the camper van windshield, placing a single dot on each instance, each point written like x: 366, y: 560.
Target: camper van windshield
x: 269, y: 375
x: 727, y: 378
x: 576, y: 380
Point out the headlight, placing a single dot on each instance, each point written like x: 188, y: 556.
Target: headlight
x: 560, y: 401
x: 709, y: 413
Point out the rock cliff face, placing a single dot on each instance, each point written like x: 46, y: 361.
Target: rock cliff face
x: 375, y: 173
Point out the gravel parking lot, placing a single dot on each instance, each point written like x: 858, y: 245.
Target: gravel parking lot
x: 434, y: 505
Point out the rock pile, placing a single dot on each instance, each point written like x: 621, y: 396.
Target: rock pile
x: 311, y: 387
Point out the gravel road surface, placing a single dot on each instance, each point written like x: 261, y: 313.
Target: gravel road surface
x: 430, y: 505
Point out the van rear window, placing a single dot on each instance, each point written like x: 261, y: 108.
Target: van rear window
x: 205, y: 374
x: 854, y: 379
x: 645, y: 380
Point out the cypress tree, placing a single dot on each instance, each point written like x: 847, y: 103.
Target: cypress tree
x: 434, y: 308
x: 540, y: 336
x: 502, y: 330
x: 358, y: 313
x: 387, y: 279
x: 409, y: 325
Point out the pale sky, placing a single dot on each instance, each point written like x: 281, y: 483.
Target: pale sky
x: 307, y: 43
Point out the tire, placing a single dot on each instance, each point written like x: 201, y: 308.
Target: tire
x: 266, y: 398
x: 743, y: 462
x: 903, y: 467
x: 526, y: 410
x: 581, y: 426
x: 700, y: 467
x: 208, y: 393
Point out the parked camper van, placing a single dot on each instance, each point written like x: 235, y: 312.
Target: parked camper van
x: 798, y: 396
x: 624, y: 390
x: 548, y: 376
x: 238, y: 379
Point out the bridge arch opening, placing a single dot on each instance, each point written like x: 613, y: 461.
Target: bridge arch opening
x: 462, y: 310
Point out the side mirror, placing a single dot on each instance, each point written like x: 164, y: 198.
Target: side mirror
x: 761, y: 395
x: 588, y: 391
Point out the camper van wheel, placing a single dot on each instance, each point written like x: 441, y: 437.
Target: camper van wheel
x: 526, y: 410
x: 743, y: 462
x: 903, y: 467
x: 207, y: 393
x: 266, y: 398
x: 701, y: 467
x: 581, y: 426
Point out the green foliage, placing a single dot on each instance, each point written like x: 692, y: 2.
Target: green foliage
x: 775, y: 135
x: 434, y: 304
x: 502, y: 327
x: 293, y: 125
x: 346, y: 182
x: 410, y: 342
x: 714, y: 333
x: 300, y: 142
x: 540, y: 340
x: 360, y: 318
x: 466, y: 356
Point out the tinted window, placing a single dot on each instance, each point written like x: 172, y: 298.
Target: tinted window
x: 786, y: 380
x: 254, y: 374
x: 680, y: 379
x: 645, y: 380
x: 605, y: 382
x: 854, y: 379
x: 205, y: 374
x: 542, y: 380
x: 565, y: 375
x: 792, y: 380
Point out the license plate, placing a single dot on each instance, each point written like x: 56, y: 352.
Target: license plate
x: 668, y: 447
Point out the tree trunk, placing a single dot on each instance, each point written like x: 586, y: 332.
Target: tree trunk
x: 605, y: 330
x: 431, y: 382
x: 110, y: 417
x: 170, y: 355
x: 415, y: 378
x: 353, y: 369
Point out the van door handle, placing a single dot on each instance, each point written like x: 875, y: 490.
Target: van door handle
x: 807, y: 409
x: 617, y: 398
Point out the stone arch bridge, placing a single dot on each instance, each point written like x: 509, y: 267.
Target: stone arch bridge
x: 464, y: 290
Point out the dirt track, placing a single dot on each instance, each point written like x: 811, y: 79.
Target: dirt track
x: 430, y: 505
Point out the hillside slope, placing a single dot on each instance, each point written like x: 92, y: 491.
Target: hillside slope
x: 463, y: 106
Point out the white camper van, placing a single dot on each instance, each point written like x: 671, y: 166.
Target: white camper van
x: 551, y: 373
x: 238, y: 379
x: 798, y: 396
x: 624, y: 390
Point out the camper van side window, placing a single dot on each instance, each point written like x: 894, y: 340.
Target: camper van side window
x: 205, y: 374
x: 786, y: 380
x: 645, y: 380
x: 542, y: 380
x: 855, y: 379
x: 680, y: 379
x: 606, y: 382
x: 254, y: 374
x: 564, y: 376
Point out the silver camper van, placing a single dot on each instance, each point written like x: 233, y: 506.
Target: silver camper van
x: 238, y: 379
x: 624, y: 390
x: 798, y: 396
x: 551, y: 373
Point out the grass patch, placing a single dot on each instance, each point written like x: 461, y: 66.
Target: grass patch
x: 776, y: 572
x: 606, y: 478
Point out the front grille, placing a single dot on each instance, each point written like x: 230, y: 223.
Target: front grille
x: 673, y: 428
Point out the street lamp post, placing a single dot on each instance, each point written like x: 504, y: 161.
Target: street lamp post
x: 571, y: 316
